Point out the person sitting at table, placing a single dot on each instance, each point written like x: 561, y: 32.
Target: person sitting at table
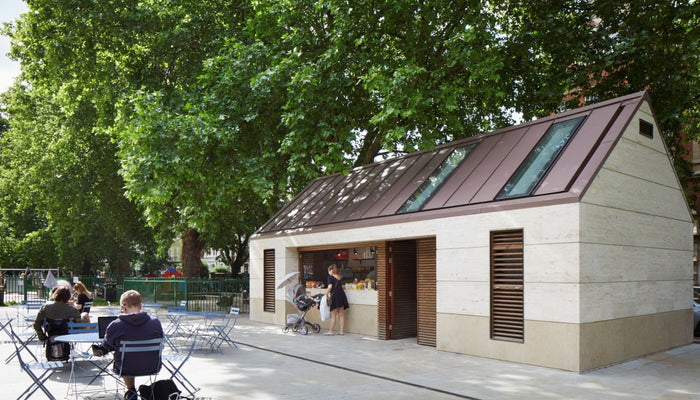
x: 132, y: 324
x: 58, y: 310
x: 84, y: 296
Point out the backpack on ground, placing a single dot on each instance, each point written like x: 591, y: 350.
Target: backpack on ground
x: 164, y: 389
x: 57, y: 351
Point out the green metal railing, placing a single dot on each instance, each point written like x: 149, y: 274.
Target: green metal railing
x: 198, y: 294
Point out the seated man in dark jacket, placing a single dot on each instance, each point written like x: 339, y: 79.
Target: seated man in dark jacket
x: 58, y: 310
x: 132, y: 324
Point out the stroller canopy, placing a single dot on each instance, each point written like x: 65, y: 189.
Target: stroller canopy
x: 294, y: 291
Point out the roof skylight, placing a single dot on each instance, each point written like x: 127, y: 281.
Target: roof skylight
x: 537, y: 163
x: 436, y: 179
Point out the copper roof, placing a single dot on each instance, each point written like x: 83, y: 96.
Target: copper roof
x: 372, y: 194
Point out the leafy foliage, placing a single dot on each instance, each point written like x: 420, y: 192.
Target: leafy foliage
x: 142, y: 118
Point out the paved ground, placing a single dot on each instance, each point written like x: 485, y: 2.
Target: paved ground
x: 270, y: 364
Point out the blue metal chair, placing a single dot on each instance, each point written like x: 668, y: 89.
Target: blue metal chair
x: 129, y: 348
x: 174, y: 363
x: 39, y: 372
x: 86, y: 307
x: 23, y: 344
x: 217, y: 328
x: 82, y: 327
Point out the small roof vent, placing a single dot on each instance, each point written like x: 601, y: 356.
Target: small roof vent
x: 646, y: 129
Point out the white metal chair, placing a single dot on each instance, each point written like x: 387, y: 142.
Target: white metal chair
x: 39, y: 372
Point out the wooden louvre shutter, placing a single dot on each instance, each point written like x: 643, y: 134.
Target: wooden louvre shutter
x: 269, y: 280
x: 383, y: 331
x: 507, y: 311
x: 427, y: 293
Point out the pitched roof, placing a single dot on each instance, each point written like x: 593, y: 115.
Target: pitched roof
x: 375, y: 194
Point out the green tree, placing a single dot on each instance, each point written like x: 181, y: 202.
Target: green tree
x: 58, y: 154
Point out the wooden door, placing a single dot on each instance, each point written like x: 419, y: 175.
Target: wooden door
x: 403, y: 289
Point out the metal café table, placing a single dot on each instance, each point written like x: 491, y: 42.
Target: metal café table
x: 75, y: 338
x: 178, y: 328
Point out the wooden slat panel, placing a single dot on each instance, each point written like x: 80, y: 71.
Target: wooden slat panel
x: 427, y: 289
x: 382, y: 293
x: 269, y: 280
x: 507, y: 285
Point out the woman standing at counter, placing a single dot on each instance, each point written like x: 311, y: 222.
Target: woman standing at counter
x: 339, y: 302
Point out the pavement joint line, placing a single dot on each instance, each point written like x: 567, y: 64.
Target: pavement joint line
x: 359, y: 372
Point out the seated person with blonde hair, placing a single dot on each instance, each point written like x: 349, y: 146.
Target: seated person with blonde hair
x: 132, y: 324
x: 84, y: 296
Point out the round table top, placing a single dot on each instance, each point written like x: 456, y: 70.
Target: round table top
x: 91, y: 337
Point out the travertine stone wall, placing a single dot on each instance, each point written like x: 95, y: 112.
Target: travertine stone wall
x: 636, y: 254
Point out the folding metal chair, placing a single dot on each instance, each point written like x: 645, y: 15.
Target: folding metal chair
x: 208, y: 330
x: 82, y: 327
x: 175, y: 315
x: 233, y: 318
x: 31, y: 309
x: 14, y: 336
x: 128, y: 348
x: 23, y: 344
x: 86, y: 307
x: 174, y: 362
x: 218, y: 327
x: 46, y: 369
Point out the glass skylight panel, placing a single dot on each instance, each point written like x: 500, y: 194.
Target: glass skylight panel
x: 528, y: 176
x: 436, y: 179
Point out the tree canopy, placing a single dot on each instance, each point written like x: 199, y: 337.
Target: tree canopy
x: 135, y: 119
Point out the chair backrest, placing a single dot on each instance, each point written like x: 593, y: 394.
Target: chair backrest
x: 177, y: 308
x: 82, y: 327
x: 215, y: 318
x: 86, y: 307
x: 33, y: 304
x: 144, y: 364
x: 183, y: 303
x: 54, y: 327
x: 234, y: 314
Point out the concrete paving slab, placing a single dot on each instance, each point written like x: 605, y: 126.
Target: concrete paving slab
x: 271, y: 364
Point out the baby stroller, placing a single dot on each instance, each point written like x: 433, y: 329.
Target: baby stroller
x: 303, y: 303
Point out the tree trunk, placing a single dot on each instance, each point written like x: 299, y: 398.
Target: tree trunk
x: 85, y: 267
x: 121, y: 262
x: 192, y: 249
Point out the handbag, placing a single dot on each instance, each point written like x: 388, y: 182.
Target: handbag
x: 325, y: 308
